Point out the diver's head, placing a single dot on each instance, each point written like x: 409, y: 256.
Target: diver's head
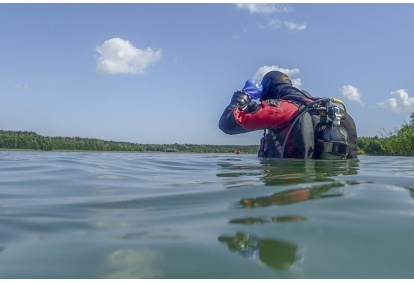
x: 273, y: 82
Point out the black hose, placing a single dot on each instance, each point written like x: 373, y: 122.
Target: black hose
x: 304, y: 110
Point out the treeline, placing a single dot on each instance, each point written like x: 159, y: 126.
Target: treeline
x: 397, y: 143
x: 33, y: 141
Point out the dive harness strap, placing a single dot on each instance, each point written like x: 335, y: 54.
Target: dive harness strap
x: 335, y: 147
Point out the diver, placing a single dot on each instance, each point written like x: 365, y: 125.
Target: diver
x: 295, y: 124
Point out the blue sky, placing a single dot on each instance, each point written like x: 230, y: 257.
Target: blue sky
x: 163, y: 73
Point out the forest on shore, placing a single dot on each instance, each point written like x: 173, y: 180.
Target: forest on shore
x: 24, y: 140
x: 400, y: 142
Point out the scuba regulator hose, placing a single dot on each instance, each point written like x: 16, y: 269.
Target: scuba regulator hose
x: 336, y: 100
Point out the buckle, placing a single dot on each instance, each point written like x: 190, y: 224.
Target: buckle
x: 336, y: 148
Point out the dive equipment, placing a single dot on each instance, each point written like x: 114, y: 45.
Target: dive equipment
x: 334, y: 143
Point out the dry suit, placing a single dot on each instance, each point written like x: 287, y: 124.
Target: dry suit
x: 295, y: 124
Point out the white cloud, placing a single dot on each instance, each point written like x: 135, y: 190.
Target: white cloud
x: 402, y: 102
x: 259, y: 74
x: 352, y: 93
x: 295, y: 26
x: 266, y: 8
x: 276, y: 24
x: 119, y: 56
x: 269, y: 8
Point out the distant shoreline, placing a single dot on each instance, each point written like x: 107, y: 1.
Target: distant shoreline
x: 400, y: 143
x: 26, y: 140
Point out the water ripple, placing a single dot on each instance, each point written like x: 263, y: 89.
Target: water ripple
x: 173, y: 215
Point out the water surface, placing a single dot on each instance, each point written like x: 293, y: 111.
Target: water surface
x: 172, y: 215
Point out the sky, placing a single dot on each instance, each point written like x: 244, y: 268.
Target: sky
x: 163, y: 73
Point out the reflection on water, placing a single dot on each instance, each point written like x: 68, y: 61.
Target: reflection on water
x: 262, y: 220
x: 136, y: 263
x: 175, y: 216
x: 296, y: 195
x: 275, y: 172
x: 285, y: 171
x: 274, y: 253
x: 310, y: 179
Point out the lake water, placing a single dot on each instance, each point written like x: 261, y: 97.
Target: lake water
x: 169, y: 215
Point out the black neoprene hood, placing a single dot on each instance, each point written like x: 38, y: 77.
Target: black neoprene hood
x: 275, y: 77
x: 273, y: 83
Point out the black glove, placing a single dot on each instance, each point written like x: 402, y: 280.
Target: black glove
x: 240, y: 100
